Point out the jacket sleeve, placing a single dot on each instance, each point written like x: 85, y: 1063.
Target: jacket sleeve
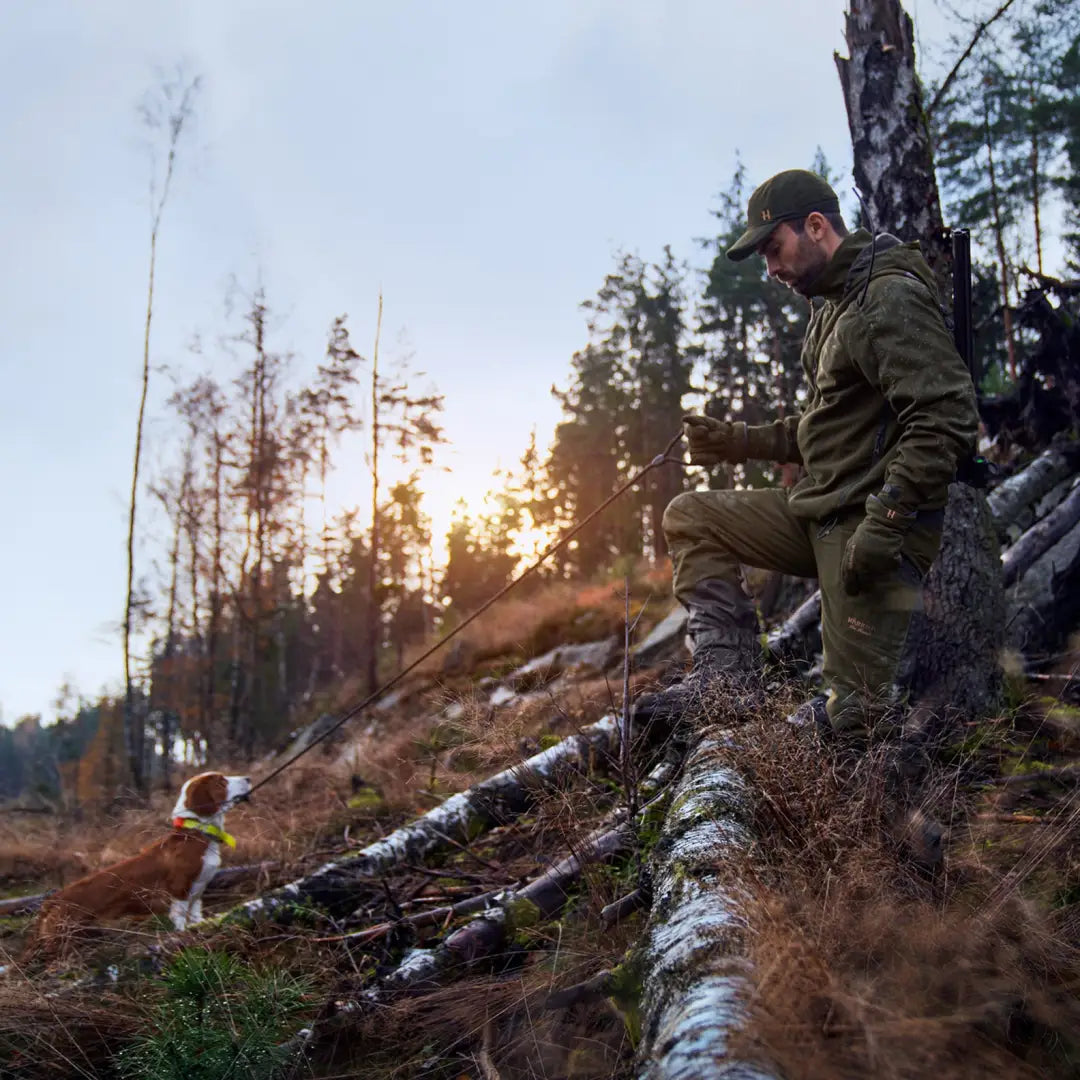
x: 907, y: 353
x: 774, y: 442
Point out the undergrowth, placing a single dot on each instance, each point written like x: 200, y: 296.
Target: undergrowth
x: 217, y: 1019
x: 868, y: 961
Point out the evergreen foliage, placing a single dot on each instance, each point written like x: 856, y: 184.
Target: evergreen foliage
x: 1007, y: 144
x: 623, y: 404
x: 219, y: 1018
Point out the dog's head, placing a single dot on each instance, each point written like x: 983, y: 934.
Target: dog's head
x: 210, y: 793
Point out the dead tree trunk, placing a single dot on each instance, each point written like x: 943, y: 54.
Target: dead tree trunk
x: 956, y: 640
x: 890, y: 140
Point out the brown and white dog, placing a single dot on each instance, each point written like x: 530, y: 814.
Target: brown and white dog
x: 170, y: 874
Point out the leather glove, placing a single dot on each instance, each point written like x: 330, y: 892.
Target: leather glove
x: 873, y: 549
x: 714, y: 441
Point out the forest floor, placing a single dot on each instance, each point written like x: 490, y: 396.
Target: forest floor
x: 865, y: 962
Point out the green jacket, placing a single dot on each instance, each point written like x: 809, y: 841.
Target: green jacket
x: 890, y: 400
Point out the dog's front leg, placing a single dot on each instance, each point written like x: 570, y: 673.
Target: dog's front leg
x: 179, y: 914
x: 195, y: 914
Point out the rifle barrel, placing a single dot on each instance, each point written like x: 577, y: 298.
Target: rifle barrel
x: 963, y: 331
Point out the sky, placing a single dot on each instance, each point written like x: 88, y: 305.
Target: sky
x: 480, y: 163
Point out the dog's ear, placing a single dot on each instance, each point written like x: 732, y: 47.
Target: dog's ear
x: 206, y: 794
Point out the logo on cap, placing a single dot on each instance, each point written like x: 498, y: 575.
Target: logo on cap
x: 766, y: 215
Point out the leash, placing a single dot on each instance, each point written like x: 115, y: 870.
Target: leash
x: 661, y: 459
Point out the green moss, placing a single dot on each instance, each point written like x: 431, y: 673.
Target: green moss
x: 625, y: 989
x: 678, y: 810
x: 1022, y: 765
x: 465, y: 760
x: 520, y: 914
x: 443, y: 736
x: 303, y: 913
x: 477, y: 826
x: 1062, y: 714
x: 368, y: 799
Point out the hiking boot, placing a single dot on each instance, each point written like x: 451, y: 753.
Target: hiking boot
x: 717, y: 674
x: 811, y: 721
x: 812, y: 718
x: 921, y: 839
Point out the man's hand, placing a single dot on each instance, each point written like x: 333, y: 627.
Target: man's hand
x: 873, y: 550
x: 714, y: 441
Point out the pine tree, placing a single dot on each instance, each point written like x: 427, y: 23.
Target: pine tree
x: 407, y: 424
x: 751, y: 330
x: 623, y: 404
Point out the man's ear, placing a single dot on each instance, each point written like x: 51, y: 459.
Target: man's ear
x: 816, y: 226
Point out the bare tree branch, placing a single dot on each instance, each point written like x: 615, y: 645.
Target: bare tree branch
x: 980, y: 30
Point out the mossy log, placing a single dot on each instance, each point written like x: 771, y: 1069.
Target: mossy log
x: 510, y: 912
x: 461, y: 818
x: 695, y: 974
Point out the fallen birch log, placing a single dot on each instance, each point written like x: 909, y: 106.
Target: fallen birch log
x: 799, y: 637
x: 1040, y: 538
x: 486, y: 936
x: 695, y: 973
x: 23, y: 905
x: 535, y: 903
x: 1044, y: 604
x: 455, y: 822
x: 1010, y: 501
x: 425, y: 969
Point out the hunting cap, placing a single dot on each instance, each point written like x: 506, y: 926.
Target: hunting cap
x: 786, y: 196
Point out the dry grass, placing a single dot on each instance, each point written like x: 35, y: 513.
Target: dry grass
x: 869, y: 964
x: 413, y: 759
x: 61, y: 1036
x: 31, y: 858
x: 532, y: 621
x: 866, y: 963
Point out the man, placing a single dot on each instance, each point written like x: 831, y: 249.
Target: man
x: 889, y: 413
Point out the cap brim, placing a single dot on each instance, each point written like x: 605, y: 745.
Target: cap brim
x: 751, y: 240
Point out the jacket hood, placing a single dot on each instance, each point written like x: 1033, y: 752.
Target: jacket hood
x: 861, y: 256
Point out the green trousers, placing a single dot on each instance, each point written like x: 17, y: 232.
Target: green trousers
x: 710, y: 534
